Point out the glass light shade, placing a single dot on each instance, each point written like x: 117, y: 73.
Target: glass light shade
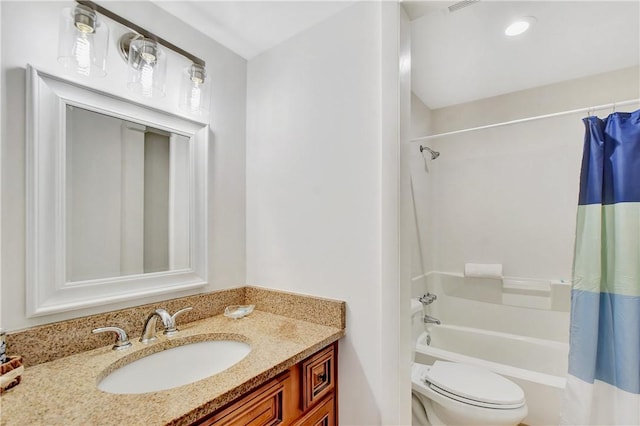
x: 83, y: 42
x: 147, y: 68
x: 194, y: 90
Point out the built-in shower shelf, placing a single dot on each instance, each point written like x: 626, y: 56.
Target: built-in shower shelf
x: 554, y: 295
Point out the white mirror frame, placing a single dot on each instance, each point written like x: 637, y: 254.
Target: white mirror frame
x: 47, y: 291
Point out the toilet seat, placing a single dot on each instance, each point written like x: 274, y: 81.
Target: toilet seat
x: 473, y: 385
x: 474, y: 402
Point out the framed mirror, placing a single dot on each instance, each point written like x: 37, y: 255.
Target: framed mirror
x: 116, y: 198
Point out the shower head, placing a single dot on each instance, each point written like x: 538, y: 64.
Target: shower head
x: 434, y: 154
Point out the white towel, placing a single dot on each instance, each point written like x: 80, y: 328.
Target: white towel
x: 483, y: 270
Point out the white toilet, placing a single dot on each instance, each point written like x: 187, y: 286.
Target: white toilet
x: 449, y: 393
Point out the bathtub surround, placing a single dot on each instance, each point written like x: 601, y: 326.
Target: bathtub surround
x: 470, y: 201
x: 510, y: 292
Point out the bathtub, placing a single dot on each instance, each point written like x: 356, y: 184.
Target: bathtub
x: 538, y: 366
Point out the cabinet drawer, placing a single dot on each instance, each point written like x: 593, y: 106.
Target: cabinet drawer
x: 321, y: 415
x: 318, y: 377
x: 262, y: 407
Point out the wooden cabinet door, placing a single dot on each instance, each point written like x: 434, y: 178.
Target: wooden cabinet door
x: 262, y: 407
x: 318, y: 377
x: 321, y: 415
x: 304, y: 395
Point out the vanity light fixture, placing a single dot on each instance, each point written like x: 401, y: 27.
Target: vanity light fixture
x: 83, y: 41
x: 519, y: 26
x: 147, y: 65
x: 194, y: 90
x: 142, y: 50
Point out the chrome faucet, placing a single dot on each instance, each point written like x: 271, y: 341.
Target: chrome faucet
x: 428, y: 319
x: 122, y: 341
x: 168, y: 321
x: 427, y: 299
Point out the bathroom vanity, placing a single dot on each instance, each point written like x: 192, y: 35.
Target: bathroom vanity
x: 305, y: 394
x: 289, y: 377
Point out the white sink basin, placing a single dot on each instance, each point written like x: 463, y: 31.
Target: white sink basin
x: 175, y: 367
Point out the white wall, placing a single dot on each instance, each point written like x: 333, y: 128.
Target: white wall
x: 38, y: 47
x: 509, y: 194
x: 319, y: 190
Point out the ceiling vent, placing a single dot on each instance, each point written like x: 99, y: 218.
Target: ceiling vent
x: 461, y: 5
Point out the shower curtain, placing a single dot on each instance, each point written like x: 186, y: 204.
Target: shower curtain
x: 603, y: 385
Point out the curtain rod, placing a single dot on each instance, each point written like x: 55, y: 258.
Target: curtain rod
x: 523, y: 120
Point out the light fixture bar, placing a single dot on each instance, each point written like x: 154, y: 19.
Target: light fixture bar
x: 141, y: 31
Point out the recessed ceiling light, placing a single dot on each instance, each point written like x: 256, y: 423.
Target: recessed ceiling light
x: 519, y: 26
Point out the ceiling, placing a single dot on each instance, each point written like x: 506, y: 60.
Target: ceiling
x: 250, y: 27
x: 458, y: 56
x: 464, y: 55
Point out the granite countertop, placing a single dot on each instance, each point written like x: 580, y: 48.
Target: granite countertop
x: 64, y: 392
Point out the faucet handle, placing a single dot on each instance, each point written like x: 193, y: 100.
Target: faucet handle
x: 428, y: 299
x: 122, y: 341
x: 171, y: 329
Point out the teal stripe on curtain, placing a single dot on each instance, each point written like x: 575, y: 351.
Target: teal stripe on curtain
x: 607, y: 249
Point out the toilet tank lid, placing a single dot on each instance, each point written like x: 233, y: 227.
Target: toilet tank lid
x: 474, y: 383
